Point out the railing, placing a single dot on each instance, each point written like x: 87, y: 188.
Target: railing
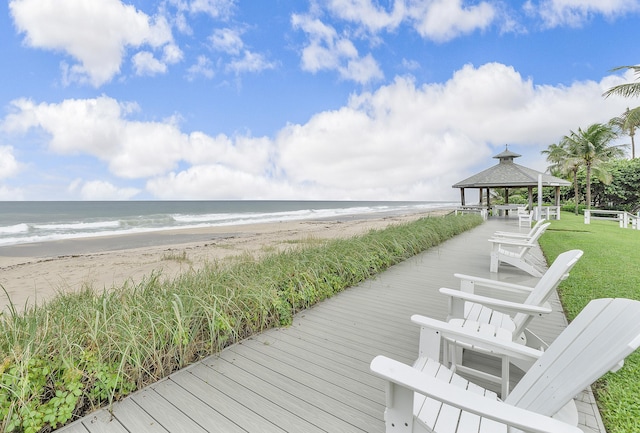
x: 623, y: 218
x: 546, y: 212
x: 472, y: 209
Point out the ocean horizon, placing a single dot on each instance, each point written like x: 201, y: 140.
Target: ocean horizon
x: 27, y: 222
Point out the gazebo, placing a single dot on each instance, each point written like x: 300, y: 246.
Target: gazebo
x: 507, y: 174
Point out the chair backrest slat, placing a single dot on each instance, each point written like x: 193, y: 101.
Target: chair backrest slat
x: 601, y: 336
x: 557, y: 272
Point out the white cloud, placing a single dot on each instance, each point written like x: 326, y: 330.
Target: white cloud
x: 203, y: 67
x: 9, y: 165
x: 11, y: 194
x: 250, y: 62
x: 402, y: 138
x: 373, y: 17
x: 401, y: 141
x: 227, y: 40
x: 575, y: 12
x: 101, y: 190
x: 438, y: 20
x: 172, y: 54
x: 329, y: 51
x: 95, y: 33
x: 144, y: 63
x: 219, y: 182
x: 444, y: 20
x: 99, y: 127
x: 213, y: 8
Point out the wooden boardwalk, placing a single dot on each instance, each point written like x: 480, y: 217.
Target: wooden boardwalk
x: 314, y: 375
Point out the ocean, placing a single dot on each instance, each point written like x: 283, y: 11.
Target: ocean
x: 48, y: 221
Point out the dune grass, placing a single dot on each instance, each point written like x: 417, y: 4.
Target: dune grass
x: 85, y: 350
x: 610, y: 268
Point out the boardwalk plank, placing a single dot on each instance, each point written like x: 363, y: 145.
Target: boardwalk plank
x: 169, y: 416
x: 135, y: 419
x: 206, y: 416
x: 239, y: 413
x: 347, y: 390
x: 242, y: 389
x: 102, y: 422
x: 284, y: 393
x: 340, y: 402
x: 341, y: 364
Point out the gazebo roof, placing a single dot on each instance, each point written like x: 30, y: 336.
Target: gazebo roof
x: 508, y: 174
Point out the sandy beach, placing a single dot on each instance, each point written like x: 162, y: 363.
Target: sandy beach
x: 34, y: 273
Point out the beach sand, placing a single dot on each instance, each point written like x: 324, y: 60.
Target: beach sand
x: 35, y: 273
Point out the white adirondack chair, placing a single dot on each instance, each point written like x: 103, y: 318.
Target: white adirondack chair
x: 428, y: 397
x: 517, y: 253
x: 524, y: 216
x: 505, y: 319
x: 519, y: 235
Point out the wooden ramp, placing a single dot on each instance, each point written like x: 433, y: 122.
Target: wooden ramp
x: 314, y: 375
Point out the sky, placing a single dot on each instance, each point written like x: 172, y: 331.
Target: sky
x: 296, y: 99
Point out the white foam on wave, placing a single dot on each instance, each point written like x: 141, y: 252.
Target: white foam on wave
x: 13, y: 229
x: 47, y: 232
x: 79, y: 226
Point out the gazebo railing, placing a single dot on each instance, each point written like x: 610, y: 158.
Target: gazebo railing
x: 546, y: 212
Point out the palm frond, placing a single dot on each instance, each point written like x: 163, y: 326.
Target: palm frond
x: 627, y: 90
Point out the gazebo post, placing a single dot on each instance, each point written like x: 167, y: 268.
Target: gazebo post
x: 530, y: 189
x: 462, y: 196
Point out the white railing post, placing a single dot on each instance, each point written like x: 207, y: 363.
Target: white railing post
x: 587, y: 216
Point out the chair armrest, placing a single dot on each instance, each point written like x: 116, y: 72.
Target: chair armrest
x: 501, y: 305
x: 409, y: 379
x: 454, y: 332
x: 510, y: 235
x: 493, y: 284
x: 512, y: 242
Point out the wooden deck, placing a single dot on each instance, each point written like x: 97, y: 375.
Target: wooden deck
x: 314, y: 375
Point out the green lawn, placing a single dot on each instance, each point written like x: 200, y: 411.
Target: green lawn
x: 610, y: 268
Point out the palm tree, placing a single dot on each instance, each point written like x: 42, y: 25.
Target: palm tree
x: 592, y: 146
x: 627, y: 123
x: 564, y: 163
x: 627, y: 90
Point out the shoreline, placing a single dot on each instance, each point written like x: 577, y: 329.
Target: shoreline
x: 34, y: 273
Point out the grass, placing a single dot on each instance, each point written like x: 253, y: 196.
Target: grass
x: 85, y: 350
x: 608, y: 269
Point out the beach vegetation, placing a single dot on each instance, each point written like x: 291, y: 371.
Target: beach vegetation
x: 608, y: 269
x: 84, y: 350
x: 176, y: 256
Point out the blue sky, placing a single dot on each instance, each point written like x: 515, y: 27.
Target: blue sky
x: 305, y: 99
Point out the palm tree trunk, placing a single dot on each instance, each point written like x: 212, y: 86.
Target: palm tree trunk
x: 575, y: 189
x: 588, y: 181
